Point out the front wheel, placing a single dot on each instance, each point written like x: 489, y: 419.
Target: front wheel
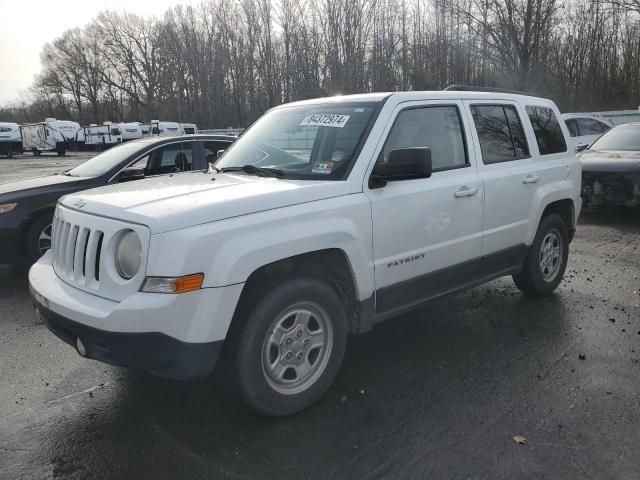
x: 290, y: 346
x: 546, y: 262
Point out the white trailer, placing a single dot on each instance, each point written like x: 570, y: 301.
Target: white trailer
x: 101, y: 137
x: 49, y: 136
x: 165, y: 129
x: 132, y: 130
x: 189, y: 128
x: 10, y: 139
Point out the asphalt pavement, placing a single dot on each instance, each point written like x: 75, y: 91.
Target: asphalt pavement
x: 440, y: 392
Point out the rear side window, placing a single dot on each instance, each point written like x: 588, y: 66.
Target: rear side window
x: 500, y: 132
x: 436, y: 127
x: 547, y: 129
x: 589, y: 126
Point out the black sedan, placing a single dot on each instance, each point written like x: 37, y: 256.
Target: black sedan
x: 611, y: 168
x: 27, y: 206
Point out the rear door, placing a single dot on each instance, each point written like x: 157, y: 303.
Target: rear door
x: 523, y: 149
x: 510, y: 175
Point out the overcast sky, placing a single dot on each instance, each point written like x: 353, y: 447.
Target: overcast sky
x: 26, y: 25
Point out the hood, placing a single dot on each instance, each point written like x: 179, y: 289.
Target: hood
x: 610, y: 161
x: 193, y: 198
x: 21, y: 187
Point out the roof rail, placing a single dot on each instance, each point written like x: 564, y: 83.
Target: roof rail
x: 468, y: 88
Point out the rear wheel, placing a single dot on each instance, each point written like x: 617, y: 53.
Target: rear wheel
x: 547, y: 259
x: 290, y: 346
x: 38, y: 237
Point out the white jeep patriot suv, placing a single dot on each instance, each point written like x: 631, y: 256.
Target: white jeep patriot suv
x: 325, y: 217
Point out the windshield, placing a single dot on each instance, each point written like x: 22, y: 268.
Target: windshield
x: 101, y: 164
x: 304, y: 142
x: 624, y: 137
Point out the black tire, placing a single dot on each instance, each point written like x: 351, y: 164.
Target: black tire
x: 534, y: 279
x: 32, y: 236
x: 250, y: 365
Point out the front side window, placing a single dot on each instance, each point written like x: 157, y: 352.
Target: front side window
x: 500, y: 133
x: 211, y: 149
x: 589, y: 126
x: 317, y: 141
x: 437, y: 127
x: 547, y: 130
x: 172, y: 158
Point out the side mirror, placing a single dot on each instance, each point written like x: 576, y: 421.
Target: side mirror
x: 130, y: 174
x: 582, y: 147
x: 219, y: 154
x: 402, y: 164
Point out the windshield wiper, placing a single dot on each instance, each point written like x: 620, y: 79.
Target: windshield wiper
x: 253, y: 170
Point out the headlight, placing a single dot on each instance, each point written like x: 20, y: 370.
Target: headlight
x: 7, y: 207
x: 128, y: 255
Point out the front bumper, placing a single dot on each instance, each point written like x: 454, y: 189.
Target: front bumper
x: 152, y: 352
x: 176, y: 336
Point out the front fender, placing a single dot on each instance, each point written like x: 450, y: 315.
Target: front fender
x: 229, y: 251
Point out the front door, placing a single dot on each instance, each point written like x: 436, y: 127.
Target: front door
x: 427, y: 233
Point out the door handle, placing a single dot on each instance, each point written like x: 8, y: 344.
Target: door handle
x: 465, y: 192
x: 531, y: 179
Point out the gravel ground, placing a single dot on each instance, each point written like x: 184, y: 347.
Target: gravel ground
x: 437, y: 393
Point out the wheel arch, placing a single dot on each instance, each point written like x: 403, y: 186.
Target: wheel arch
x: 331, y: 265
x: 554, y: 198
x: 29, y: 220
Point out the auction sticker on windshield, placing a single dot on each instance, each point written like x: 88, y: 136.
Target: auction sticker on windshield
x: 325, y: 120
x: 324, y: 168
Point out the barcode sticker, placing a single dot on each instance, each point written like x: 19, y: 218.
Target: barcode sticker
x: 325, y: 120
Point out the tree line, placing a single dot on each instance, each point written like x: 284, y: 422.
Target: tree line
x: 224, y: 62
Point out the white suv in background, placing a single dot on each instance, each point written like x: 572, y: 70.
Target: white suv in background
x: 326, y: 217
x: 585, y: 129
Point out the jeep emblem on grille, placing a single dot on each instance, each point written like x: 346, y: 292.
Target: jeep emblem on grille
x: 80, y: 203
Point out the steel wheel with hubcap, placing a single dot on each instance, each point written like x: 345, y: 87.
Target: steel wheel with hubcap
x: 546, y: 262
x: 297, y: 347
x: 550, y: 255
x: 289, y: 345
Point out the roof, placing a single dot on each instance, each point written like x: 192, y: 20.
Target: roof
x: 422, y: 95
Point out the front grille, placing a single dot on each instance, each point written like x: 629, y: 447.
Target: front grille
x: 83, y: 247
x: 76, y: 252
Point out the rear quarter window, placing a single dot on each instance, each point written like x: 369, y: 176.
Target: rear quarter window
x: 547, y: 129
